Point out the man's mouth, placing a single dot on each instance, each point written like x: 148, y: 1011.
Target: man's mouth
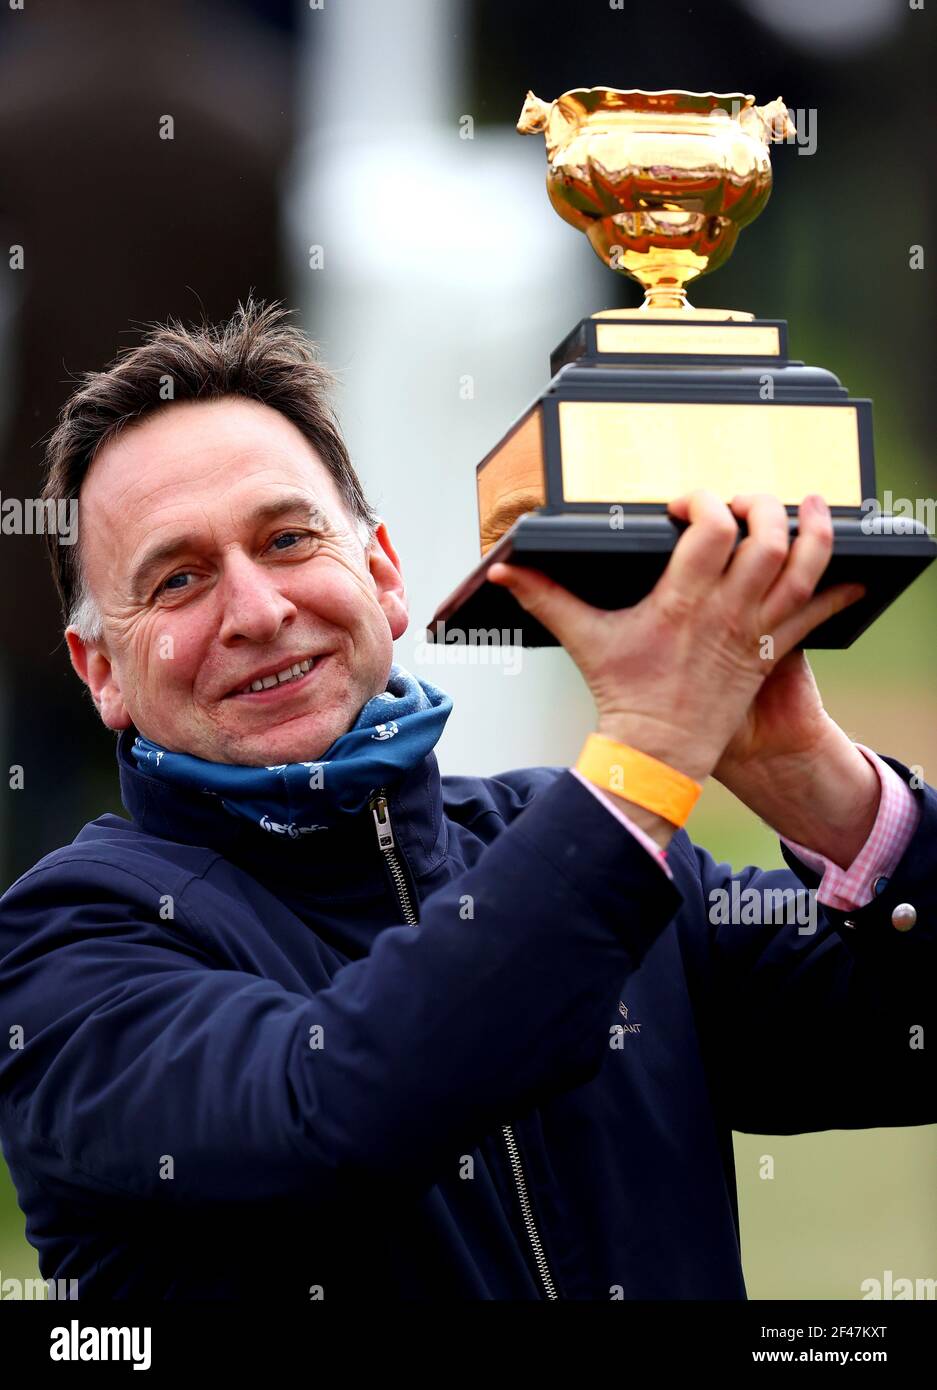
x: 296, y: 673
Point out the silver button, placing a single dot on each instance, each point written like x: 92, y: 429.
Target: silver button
x: 849, y: 924
x: 904, y: 917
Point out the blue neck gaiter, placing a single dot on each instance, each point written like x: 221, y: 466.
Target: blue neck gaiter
x: 392, y: 734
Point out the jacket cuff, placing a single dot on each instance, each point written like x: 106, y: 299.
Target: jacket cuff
x: 895, y: 824
x: 913, y: 884
x: 573, y: 831
x: 642, y: 837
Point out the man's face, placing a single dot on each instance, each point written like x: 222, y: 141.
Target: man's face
x: 219, y: 551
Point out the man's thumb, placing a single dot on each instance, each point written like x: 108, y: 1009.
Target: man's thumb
x: 560, y: 612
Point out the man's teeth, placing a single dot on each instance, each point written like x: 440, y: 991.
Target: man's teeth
x: 289, y: 674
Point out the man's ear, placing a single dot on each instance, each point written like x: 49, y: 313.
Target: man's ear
x: 93, y: 666
x: 384, y: 565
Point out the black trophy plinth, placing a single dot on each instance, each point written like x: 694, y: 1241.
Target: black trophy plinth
x: 579, y: 486
x: 615, y: 569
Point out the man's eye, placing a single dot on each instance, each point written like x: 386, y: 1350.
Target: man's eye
x: 288, y: 535
x: 170, y: 585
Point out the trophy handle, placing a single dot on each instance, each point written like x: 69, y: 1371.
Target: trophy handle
x: 771, y: 124
x: 534, y: 115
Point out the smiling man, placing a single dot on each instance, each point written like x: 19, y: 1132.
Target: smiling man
x: 247, y: 621
x: 314, y: 1011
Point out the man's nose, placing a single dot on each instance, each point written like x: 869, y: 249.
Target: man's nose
x: 254, y: 608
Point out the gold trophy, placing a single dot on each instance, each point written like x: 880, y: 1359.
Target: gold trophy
x: 647, y: 404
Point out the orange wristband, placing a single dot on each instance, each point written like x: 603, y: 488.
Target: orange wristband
x: 637, y: 777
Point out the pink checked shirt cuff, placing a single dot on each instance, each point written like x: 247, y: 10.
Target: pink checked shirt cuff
x: 608, y: 799
x: 895, y: 824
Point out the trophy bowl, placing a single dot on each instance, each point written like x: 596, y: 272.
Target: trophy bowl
x: 660, y: 182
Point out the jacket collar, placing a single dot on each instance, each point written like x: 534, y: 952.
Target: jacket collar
x: 344, y: 861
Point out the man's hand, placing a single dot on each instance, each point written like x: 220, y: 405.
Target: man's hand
x: 788, y: 761
x: 786, y: 718
x: 825, y: 796
x: 676, y: 674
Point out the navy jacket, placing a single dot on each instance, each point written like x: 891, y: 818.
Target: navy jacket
x: 236, y: 1069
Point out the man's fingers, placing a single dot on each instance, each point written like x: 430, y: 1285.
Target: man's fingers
x: 702, y: 552
x: 761, y: 556
x: 809, y: 558
x: 822, y: 606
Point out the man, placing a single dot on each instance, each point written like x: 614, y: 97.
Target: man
x: 319, y: 1017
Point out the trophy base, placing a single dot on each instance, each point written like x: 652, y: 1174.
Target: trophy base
x: 615, y: 567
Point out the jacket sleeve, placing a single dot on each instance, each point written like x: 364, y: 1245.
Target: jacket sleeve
x: 820, y: 1022
x: 142, y: 1058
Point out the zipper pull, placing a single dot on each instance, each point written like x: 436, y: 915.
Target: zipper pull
x: 381, y: 813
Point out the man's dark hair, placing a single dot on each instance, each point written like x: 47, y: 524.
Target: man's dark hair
x: 256, y: 354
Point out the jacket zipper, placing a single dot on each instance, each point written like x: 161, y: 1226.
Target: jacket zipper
x: 380, y: 810
x: 520, y: 1182
x: 385, y: 840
